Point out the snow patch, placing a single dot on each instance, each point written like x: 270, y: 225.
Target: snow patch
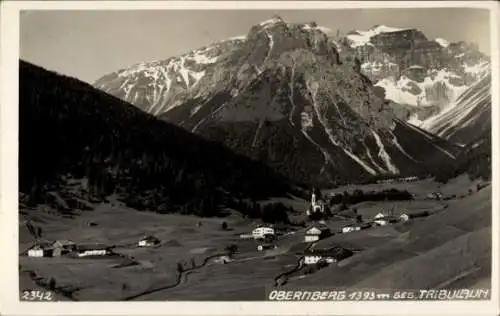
x: 478, y: 69
x: 238, y: 38
x: 271, y: 44
x: 363, y: 37
x: 270, y: 22
x: 442, y: 42
x: 360, y: 162
x: 401, y: 149
x: 319, y: 28
x: 384, y: 155
x: 373, y: 160
x: 197, y: 76
x: 203, y: 59
x: 414, y: 120
x: 399, y: 90
x: 184, y: 71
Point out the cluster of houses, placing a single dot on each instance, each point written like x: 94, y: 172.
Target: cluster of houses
x: 67, y: 248
x: 331, y: 255
x: 320, y: 231
x: 70, y: 248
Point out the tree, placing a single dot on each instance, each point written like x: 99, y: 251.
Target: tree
x: 231, y: 249
x: 275, y: 213
x: 52, y: 284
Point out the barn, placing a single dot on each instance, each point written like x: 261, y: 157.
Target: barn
x: 316, y: 232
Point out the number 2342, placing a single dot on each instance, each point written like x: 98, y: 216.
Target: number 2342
x: 37, y: 296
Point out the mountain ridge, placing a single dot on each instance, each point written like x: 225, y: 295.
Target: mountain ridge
x: 289, y: 80
x: 422, y: 76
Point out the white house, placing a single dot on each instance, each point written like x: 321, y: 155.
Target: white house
x: 36, y: 252
x: 350, y: 228
x: 380, y: 219
x: 315, y: 233
x: 148, y: 241
x: 261, y: 231
x: 404, y: 217
x: 222, y: 260
x: 313, y: 259
x: 93, y: 250
x: 331, y: 255
x: 40, y: 250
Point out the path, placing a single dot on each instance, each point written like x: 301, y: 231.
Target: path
x: 298, y: 266
x: 179, y: 279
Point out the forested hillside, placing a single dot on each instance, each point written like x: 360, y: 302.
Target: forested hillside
x: 80, y: 142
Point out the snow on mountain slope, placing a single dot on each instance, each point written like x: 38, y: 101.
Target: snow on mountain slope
x: 442, y: 42
x: 437, y: 84
x: 361, y: 38
x: 415, y: 71
x: 282, y: 95
x: 156, y: 86
x: 469, y: 117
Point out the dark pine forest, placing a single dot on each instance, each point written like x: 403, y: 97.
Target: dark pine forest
x: 69, y: 133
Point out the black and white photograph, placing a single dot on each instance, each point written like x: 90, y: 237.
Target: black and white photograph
x: 259, y: 155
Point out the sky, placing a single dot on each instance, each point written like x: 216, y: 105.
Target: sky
x: 90, y: 44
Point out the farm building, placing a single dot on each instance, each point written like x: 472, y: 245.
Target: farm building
x: 316, y: 233
x: 381, y: 219
x: 149, y: 241
x: 63, y: 247
x: 93, y: 250
x: 435, y: 196
x: 266, y: 245
x: 268, y: 242
x: 261, y: 231
x: 330, y: 255
x: 41, y: 249
x: 404, y: 217
x: 350, y: 228
x: 222, y: 260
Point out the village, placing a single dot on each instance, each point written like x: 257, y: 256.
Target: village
x: 330, y: 234
x: 266, y: 236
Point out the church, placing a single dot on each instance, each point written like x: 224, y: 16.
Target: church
x: 317, y: 203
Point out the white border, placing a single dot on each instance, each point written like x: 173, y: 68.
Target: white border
x: 9, y: 304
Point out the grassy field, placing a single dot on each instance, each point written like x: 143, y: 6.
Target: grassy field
x: 450, y: 248
x: 457, y: 186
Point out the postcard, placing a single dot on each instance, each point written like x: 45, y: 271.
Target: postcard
x: 249, y: 158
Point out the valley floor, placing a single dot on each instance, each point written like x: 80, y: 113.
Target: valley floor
x: 451, y: 248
